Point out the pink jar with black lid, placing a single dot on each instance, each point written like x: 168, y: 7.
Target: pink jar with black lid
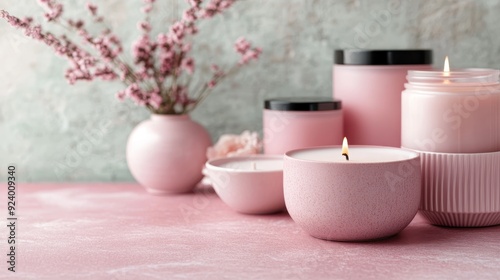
x: 369, y: 83
x: 293, y: 123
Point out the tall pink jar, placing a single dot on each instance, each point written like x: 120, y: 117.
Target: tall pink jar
x: 293, y: 123
x: 369, y: 83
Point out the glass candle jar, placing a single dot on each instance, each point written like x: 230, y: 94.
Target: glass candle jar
x: 293, y: 123
x: 369, y: 83
x: 452, y: 112
x: 453, y: 120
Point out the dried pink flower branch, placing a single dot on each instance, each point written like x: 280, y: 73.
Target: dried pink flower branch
x: 156, y: 78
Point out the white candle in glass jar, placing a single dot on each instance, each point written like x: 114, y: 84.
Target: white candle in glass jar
x: 452, y: 111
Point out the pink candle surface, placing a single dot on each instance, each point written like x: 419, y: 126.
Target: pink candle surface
x: 369, y: 83
x: 452, y: 112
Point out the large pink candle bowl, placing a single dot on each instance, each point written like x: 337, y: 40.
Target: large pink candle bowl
x: 373, y: 195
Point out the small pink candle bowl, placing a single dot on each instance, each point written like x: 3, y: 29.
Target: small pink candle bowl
x: 374, y: 195
x: 249, y: 184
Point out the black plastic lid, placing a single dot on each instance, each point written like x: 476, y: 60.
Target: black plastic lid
x: 382, y: 57
x: 302, y: 104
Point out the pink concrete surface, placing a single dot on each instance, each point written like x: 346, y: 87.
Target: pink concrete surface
x: 118, y: 231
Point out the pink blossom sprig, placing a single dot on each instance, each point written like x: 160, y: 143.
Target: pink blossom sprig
x: 81, y: 62
x: 243, y: 47
x: 54, y: 9
x: 162, y: 65
x: 215, y: 7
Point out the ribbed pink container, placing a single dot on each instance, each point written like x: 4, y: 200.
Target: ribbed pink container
x: 461, y: 190
x: 453, y: 120
x: 369, y: 83
x: 294, y: 123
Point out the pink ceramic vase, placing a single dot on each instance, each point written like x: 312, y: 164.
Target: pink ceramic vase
x: 166, y: 153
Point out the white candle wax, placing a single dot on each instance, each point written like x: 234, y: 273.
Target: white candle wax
x: 253, y: 164
x: 452, y: 112
x: 357, y: 154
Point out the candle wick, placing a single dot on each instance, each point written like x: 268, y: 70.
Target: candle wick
x: 346, y: 156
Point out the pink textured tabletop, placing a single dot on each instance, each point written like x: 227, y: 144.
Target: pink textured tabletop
x: 118, y: 231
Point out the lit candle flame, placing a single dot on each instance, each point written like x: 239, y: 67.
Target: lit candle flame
x: 345, y: 149
x: 446, y: 67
